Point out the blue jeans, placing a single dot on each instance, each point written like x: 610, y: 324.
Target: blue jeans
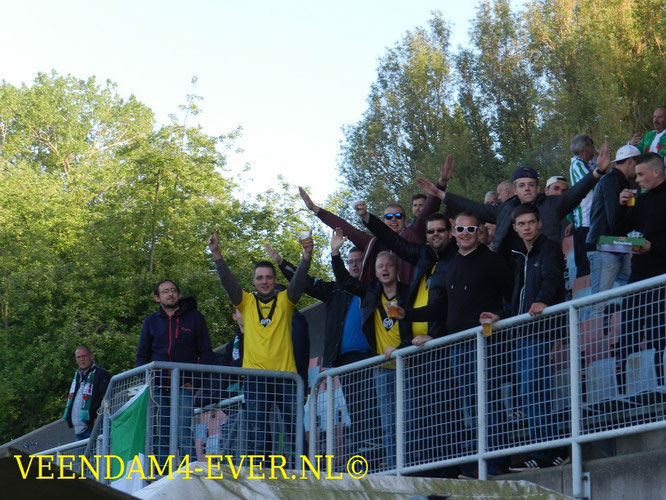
x: 260, y: 394
x: 163, y: 414
x: 385, y: 392
x: 606, y: 268
x: 532, y: 364
x: 84, y: 435
x: 463, y: 373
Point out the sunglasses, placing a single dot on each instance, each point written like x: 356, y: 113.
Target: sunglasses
x: 397, y: 215
x: 469, y: 229
x: 438, y: 230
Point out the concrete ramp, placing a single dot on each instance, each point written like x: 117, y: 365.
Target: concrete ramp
x: 200, y: 486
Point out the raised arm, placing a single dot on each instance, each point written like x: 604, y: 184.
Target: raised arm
x: 358, y: 237
x: 571, y: 198
x: 342, y: 276
x: 227, y: 279
x: 300, y: 281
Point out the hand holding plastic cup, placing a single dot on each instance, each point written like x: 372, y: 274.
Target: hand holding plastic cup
x: 392, y: 309
x: 486, y: 326
x: 631, y: 202
x: 304, y: 235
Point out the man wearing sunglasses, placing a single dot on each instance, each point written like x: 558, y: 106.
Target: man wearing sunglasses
x: 395, y: 218
x: 526, y: 181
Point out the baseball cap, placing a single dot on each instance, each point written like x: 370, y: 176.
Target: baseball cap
x: 521, y: 172
x: 554, y: 179
x: 626, y: 151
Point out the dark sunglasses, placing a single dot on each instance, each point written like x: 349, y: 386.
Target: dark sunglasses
x: 397, y: 215
x: 469, y: 229
x: 438, y: 230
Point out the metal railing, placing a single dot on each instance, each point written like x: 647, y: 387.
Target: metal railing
x: 538, y: 385
x: 202, y: 411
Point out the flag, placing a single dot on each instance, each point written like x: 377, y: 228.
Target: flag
x: 128, y: 440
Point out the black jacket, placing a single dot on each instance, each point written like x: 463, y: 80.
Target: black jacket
x: 605, y: 209
x: 371, y: 299
x: 477, y: 282
x: 539, y: 277
x: 337, y: 302
x: 423, y: 257
x: 649, y: 218
x: 552, y: 210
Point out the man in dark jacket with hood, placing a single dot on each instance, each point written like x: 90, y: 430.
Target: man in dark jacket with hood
x: 538, y: 283
x: 175, y: 332
x: 526, y: 181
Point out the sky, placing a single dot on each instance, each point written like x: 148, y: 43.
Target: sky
x: 290, y: 73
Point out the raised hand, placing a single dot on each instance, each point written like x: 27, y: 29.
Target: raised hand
x: 603, y: 160
x: 214, y: 245
x: 635, y: 139
x: 429, y: 188
x: 337, y: 240
x: 447, y: 171
x: 308, y: 246
x: 272, y: 253
x: 307, y: 200
x: 362, y: 210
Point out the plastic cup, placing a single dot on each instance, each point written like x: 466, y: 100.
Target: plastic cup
x: 486, y: 326
x: 304, y: 235
x: 392, y: 309
x: 631, y: 202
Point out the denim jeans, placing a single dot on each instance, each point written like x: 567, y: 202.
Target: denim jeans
x: 463, y: 372
x: 84, y: 435
x: 385, y: 392
x: 606, y: 268
x: 532, y: 364
x: 260, y: 394
x: 163, y: 415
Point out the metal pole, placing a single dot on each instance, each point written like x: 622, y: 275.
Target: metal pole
x: 173, y: 420
x: 399, y: 412
x: 482, y: 421
x: 575, y: 377
x: 330, y: 433
x: 300, y: 396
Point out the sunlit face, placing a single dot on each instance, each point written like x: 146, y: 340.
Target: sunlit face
x: 83, y: 358
x: 168, y: 295
x: 659, y: 119
x: 556, y: 188
x: 386, y: 269
x: 466, y: 241
x: 394, y: 217
x: 417, y: 206
x: 437, y: 234
x: 264, y: 280
x: 526, y: 189
x: 527, y: 226
x: 355, y: 264
x: 647, y: 178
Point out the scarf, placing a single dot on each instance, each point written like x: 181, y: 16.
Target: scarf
x: 85, y: 382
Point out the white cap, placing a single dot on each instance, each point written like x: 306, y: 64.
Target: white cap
x: 626, y: 151
x: 554, y: 179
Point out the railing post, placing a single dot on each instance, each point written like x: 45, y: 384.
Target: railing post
x: 174, y: 411
x: 482, y: 421
x: 312, y: 401
x: 330, y: 426
x: 575, y: 378
x: 300, y: 396
x: 106, y: 432
x: 149, y: 415
x: 399, y: 412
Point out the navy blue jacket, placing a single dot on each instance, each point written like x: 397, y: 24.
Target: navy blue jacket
x: 181, y: 338
x: 605, y: 210
x: 539, y: 276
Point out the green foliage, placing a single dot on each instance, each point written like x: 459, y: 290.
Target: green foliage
x: 531, y: 80
x: 96, y: 205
